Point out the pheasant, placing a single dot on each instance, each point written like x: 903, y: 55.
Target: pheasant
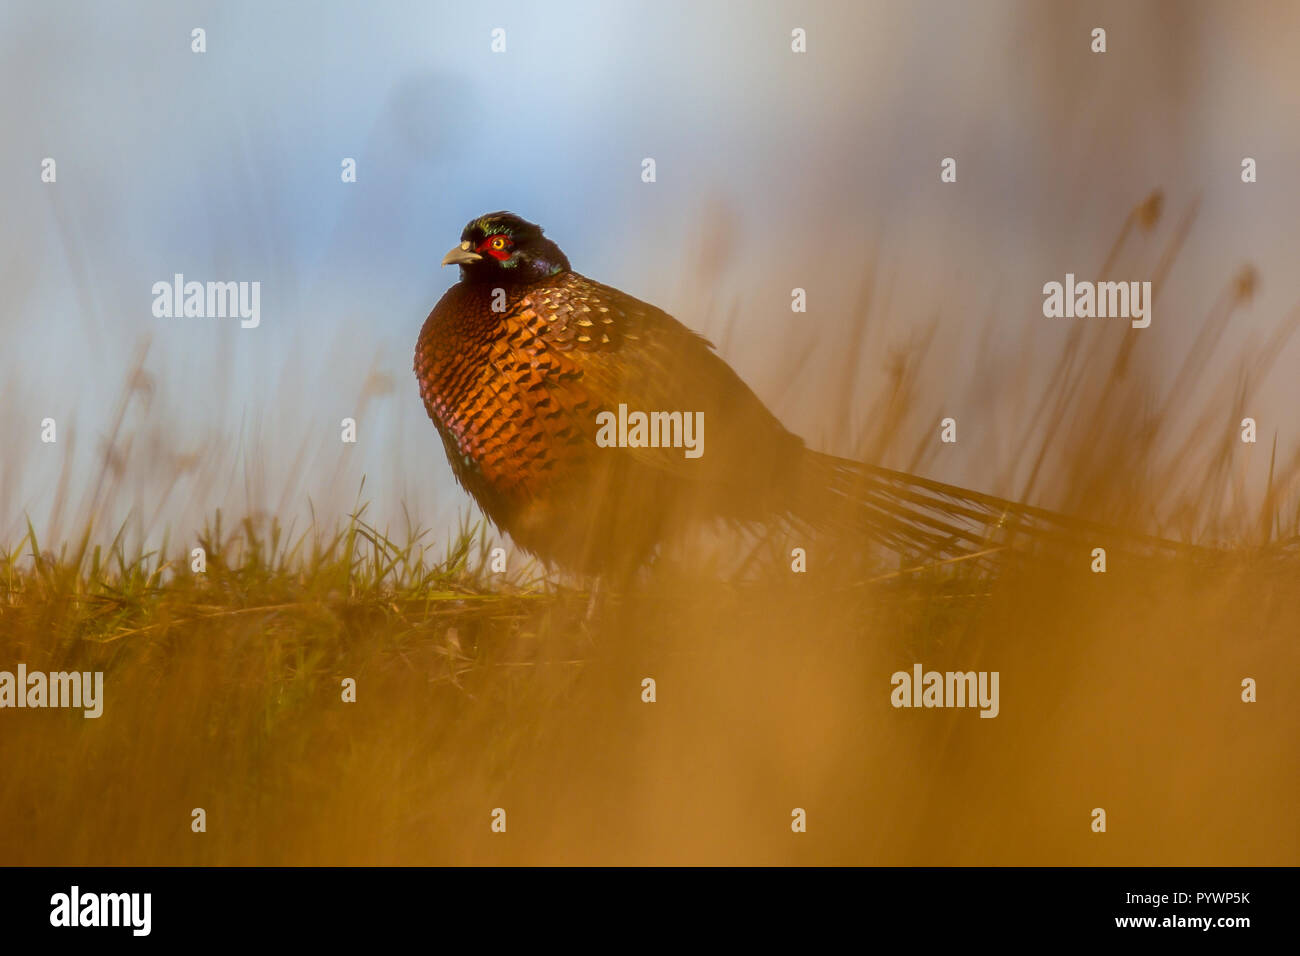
x: 523, y: 358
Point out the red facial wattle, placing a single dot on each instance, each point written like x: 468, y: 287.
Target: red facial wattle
x: 498, y: 247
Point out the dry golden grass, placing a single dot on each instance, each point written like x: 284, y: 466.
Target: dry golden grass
x: 1119, y: 691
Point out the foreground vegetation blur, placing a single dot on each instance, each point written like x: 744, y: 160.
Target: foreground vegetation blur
x: 478, y: 690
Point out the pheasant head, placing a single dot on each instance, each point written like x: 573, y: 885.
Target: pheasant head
x: 502, y: 249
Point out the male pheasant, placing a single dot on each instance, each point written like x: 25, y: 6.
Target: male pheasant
x: 518, y: 359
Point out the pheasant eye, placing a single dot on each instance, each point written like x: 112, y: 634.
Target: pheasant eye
x: 496, y: 246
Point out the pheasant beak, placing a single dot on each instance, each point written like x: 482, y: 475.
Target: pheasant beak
x: 461, y: 256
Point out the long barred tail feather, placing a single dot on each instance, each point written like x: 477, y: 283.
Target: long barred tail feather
x: 917, y: 517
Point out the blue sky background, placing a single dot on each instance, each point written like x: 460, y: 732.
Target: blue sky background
x: 774, y: 171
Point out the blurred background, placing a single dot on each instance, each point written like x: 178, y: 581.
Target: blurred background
x: 775, y: 170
